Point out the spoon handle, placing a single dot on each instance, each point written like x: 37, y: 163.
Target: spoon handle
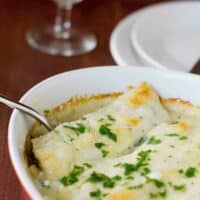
x: 24, y: 108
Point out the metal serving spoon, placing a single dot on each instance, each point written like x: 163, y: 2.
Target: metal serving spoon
x: 26, y: 109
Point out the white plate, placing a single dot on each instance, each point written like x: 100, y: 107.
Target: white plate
x: 168, y: 35
x: 120, y: 44
x: 121, y: 48
x: 61, y: 87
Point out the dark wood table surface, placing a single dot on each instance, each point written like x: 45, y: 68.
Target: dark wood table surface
x: 21, y: 66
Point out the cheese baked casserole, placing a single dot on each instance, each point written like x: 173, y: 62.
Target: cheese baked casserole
x: 132, y: 146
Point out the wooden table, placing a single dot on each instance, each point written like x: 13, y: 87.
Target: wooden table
x: 21, y: 67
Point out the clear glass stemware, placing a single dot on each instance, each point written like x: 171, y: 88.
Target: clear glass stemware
x: 62, y: 38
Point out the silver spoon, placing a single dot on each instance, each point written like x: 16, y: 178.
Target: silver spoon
x: 26, y: 109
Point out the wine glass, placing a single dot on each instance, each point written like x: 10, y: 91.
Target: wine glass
x: 62, y: 38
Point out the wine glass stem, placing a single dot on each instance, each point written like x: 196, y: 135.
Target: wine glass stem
x: 62, y: 26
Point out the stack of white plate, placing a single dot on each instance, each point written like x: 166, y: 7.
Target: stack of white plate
x: 165, y: 35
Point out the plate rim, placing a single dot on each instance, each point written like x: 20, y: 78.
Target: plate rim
x: 145, y: 55
x: 124, y: 22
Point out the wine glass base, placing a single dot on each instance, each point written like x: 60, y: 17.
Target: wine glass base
x: 44, y: 39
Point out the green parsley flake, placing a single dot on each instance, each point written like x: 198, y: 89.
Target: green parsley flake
x: 140, y: 141
x: 88, y: 165
x: 104, y: 153
x: 190, y: 172
x: 117, y: 178
x: 153, y: 140
x: 96, y: 177
x: 143, y: 157
x: 72, y: 176
x: 177, y: 135
x: 129, y: 178
x: 79, y: 128
x: 106, y: 181
x: 146, y: 171
x: 172, y: 135
x: 109, y: 183
x: 142, y: 161
x: 97, y: 193
x: 104, y: 130
x: 118, y: 165
x: 158, y: 194
x: 129, y: 168
x: 180, y: 171
x: 136, y: 186
x: 99, y: 145
x: 101, y: 120
x: 158, y: 183
x: 162, y: 192
x: 180, y: 187
x: 110, y: 117
x: 183, y: 138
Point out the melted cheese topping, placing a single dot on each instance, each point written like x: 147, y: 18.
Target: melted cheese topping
x: 102, y: 134
x: 134, y: 148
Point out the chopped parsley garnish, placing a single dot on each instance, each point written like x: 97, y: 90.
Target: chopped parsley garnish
x: 154, y: 140
x: 109, y: 183
x: 72, y: 176
x: 190, y: 172
x: 180, y: 171
x: 172, y: 135
x: 140, y: 141
x: 142, y: 161
x: 161, y: 187
x: 158, y: 194
x: 180, y: 187
x: 158, y: 183
x: 129, y: 177
x: 104, y: 130
x: 118, y: 165
x: 183, y: 138
x: 129, y: 168
x: 110, y: 117
x: 97, y: 193
x: 162, y: 192
x: 136, y: 186
x: 146, y: 171
x: 79, y: 128
x: 88, y: 165
x: 104, y: 153
x: 99, y: 145
x: 117, y: 178
x: 106, y: 181
x: 101, y: 120
x: 97, y: 177
x: 143, y: 156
